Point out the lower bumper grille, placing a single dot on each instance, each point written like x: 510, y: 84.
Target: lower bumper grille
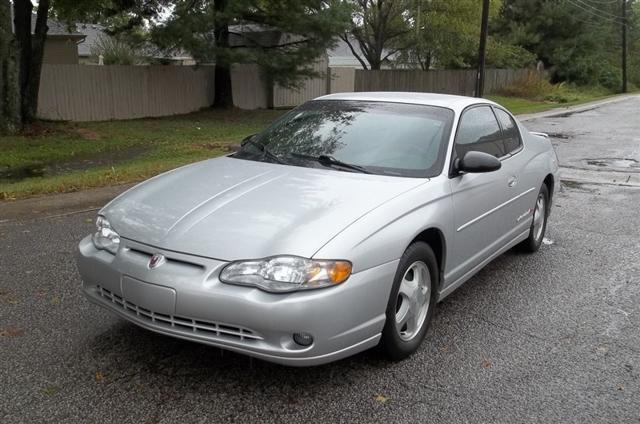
x: 207, y: 328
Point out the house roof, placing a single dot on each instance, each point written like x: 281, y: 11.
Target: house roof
x: 91, y: 32
x: 56, y: 29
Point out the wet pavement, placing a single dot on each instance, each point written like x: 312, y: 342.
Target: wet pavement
x: 549, y: 337
x: 599, y: 145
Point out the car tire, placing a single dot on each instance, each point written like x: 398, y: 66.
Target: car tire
x: 414, y: 289
x: 538, y: 228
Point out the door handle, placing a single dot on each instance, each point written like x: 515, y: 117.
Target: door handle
x: 512, y: 181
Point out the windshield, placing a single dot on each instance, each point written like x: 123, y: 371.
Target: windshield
x: 377, y: 137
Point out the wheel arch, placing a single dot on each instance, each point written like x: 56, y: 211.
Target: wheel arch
x: 434, y: 237
x: 549, y: 181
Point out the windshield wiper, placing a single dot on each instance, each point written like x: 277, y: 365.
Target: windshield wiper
x: 266, y: 153
x: 330, y: 161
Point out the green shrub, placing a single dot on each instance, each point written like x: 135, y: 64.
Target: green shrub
x: 534, y: 88
x: 114, y: 51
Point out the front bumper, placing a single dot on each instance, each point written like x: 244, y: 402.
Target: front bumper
x: 184, y: 298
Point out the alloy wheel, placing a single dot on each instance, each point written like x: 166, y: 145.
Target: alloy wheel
x: 412, y: 303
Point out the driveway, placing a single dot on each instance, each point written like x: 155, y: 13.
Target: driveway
x: 550, y: 337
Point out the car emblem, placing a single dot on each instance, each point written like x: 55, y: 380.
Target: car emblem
x: 156, y: 260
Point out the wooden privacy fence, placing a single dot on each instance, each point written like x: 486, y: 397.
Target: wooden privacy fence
x: 460, y: 82
x: 99, y: 93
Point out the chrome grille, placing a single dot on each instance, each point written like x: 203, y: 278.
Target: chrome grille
x: 208, y: 328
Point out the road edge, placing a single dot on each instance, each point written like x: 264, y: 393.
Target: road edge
x: 93, y: 199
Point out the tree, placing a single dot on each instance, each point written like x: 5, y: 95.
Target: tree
x: 445, y: 34
x: 301, y: 30
x: 379, y: 28
x: 578, y: 40
x: 114, y: 51
x: 10, y: 114
x: 21, y: 60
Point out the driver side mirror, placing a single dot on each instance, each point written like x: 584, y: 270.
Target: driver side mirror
x: 477, y: 162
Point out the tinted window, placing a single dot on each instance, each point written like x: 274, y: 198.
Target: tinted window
x: 510, y: 132
x: 479, y: 131
x: 385, y: 138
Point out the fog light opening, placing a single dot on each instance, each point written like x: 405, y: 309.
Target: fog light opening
x: 303, y: 339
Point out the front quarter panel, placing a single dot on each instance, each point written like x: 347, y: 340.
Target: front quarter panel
x: 383, y: 234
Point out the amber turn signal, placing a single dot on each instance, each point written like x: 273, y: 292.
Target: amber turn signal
x: 339, y: 272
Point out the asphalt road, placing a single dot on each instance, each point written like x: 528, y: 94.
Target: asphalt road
x: 550, y: 337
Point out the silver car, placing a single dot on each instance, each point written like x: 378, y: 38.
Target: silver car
x: 336, y: 229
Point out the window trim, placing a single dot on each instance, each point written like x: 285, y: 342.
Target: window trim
x: 521, y: 147
x: 454, y: 155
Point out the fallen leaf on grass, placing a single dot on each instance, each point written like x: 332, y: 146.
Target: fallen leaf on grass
x: 382, y: 399
x: 11, y: 332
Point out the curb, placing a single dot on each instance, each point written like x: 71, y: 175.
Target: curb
x: 570, y: 110
x: 50, y: 206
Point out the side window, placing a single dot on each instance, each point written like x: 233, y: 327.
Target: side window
x: 479, y: 131
x: 511, y: 135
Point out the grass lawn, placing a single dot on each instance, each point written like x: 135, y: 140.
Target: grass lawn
x: 53, y: 157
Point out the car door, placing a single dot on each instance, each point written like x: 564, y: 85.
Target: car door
x: 519, y: 192
x: 475, y: 197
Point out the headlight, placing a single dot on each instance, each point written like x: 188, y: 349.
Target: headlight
x: 286, y: 273
x: 105, y: 238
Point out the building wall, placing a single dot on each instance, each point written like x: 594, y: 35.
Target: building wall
x: 60, y: 51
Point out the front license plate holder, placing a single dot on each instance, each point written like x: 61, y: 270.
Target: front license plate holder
x: 156, y: 298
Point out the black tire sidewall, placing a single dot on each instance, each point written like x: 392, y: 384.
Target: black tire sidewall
x: 392, y: 344
x: 531, y: 243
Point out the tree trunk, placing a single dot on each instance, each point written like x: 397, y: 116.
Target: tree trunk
x: 22, y: 10
x: 30, y: 96
x: 223, y: 92
x: 10, y: 116
x: 31, y: 49
x: 223, y: 95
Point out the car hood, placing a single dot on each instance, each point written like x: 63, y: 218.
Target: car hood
x: 231, y: 209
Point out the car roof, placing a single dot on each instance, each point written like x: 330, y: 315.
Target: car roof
x: 457, y: 103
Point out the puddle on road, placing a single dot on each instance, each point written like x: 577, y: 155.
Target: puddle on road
x: 577, y: 185
x: 19, y: 173
x: 627, y: 163
x: 559, y: 135
x: 39, y: 169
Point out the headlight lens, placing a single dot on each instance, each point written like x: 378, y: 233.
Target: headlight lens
x: 105, y: 238
x: 286, y: 273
